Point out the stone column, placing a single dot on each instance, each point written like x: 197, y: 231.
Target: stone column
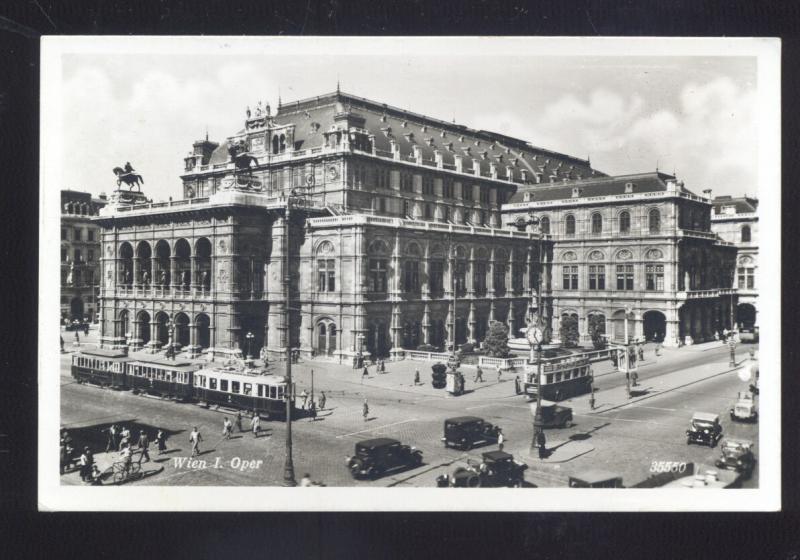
x: 194, y: 281
x: 470, y: 273
x: 426, y: 324
x: 137, y: 279
x: 154, y: 343
x: 173, y: 273
x: 510, y: 274
x: 194, y: 349
x: 471, y: 322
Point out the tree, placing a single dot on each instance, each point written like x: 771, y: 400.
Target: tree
x: 569, y: 331
x: 597, y: 328
x: 496, y: 343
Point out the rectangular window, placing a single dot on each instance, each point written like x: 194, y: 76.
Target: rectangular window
x: 248, y: 389
x: 485, y: 196
x: 90, y: 255
x: 260, y: 390
x: 63, y: 234
x: 654, y: 277
x: 479, y: 278
x: 597, y: 277
x: 411, y: 277
x: 77, y: 255
x: 570, y: 277
x: 383, y: 178
x: 406, y: 182
x: 234, y: 386
x: 517, y: 271
x: 77, y: 234
x: 436, y: 277
x: 447, y: 188
x: 500, y: 278
x: 223, y: 385
x: 63, y: 254
x: 625, y: 277
x: 326, y: 278
x: 90, y: 234
x: 427, y: 185
x: 446, y: 214
x: 377, y: 273
x: 407, y: 209
x: 381, y: 205
x: 461, y: 275
x: 428, y: 212
x: 90, y: 278
x: 746, y: 278
x: 212, y: 383
x: 467, y: 192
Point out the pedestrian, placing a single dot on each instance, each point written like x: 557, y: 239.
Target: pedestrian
x: 383, y: 366
x: 111, y: 432
x: 61, y: 338
x: 591, y: 399
x: 500, y: 439
x: 322, y: 400
x: 86, y: 329
x: 255, y: 424
x: 239, y: 420
x: 77, y: 339
x: 365, y: 410
x: 478, y: 375
x: 641, y: 353
x: 658, y: 348
x: 227, y: 428
x: 85, y: 467
x: 64, y: 458
x: 499, y: 373
x: 304, y: 396
x: 517, y: 387
x: 541, y: 441
x: 96, y: 477
x: 312, y: 410
x: 416, y: 376
x: 126, y: 456
x: 364, y: 373
x: 161, y: 441
x: 125, y: 437
x: 306, y: 481
x: 144, y: 447
x: 195, y: 438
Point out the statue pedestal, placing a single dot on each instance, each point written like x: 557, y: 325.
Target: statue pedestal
x: 125, y: 196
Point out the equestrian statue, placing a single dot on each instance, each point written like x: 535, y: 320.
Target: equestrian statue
x: 128, y: 176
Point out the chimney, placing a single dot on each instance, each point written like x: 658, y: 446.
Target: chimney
x: 459, y: 162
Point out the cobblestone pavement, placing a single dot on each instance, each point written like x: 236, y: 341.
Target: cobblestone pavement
x: 627, y: 435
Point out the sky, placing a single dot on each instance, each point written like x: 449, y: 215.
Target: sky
x: 695, y: 116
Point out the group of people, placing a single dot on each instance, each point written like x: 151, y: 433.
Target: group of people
x: 227, y: 429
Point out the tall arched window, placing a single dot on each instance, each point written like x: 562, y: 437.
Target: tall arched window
x: 746, y: 234
x: 569, y: 225
x: 597, y: 223
x: 545, y: 225
x: 654, y: 221
x: 624, y: 222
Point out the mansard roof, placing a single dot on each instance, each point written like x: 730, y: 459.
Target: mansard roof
x: 600, y: 186
x: 741, y: 204
x: 314, y: 116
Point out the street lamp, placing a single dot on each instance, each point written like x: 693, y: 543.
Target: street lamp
x: 249, y: 336
x: 535, y: 331
x: 288, y: 467
x: 170, y: 348
x: 732, y: 346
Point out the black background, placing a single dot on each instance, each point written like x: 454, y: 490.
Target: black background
x: 362, y: 535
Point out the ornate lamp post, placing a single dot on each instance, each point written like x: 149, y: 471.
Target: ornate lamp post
x: 535, y: 331
x: 288, y: 467
x: 732, y: 346
x: 170, y: 343
x: 249, y: 336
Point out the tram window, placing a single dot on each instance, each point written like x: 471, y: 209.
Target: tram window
x: 548, y: 378
x: 260, y: 390
x: 280, y: 393
x: 212, y: 383
x: 235, y: 387
x: 248, y: 389
x: 273, y: 392
x: 558, y: 377
x: 223, y: 385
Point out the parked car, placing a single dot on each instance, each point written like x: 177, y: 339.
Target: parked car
x: 737, y: 455
x: 497, y: 469
x: 596, y: 478
x: 374, y: 457
x: 466, y: 431
x: 554, y: 415
x: 744, y: 410
x: 705, y: 429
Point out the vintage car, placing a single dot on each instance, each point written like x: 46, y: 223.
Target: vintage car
x: 374, y: 457
x: 497, y: 469
x: 464, y: 432
x: 553, y: 415
x: 596, y: 478
x: 438, y: 375
x: 737, y: 455
x: 744, y: 410
x: 705, y: 429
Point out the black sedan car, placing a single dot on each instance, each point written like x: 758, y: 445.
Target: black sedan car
x: 498, y: 469
x: 375, y: 457
x: 465, y: 432
x: 705, y: 429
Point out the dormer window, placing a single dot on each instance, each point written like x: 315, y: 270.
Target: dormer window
x: 409, y: 136
x: 729, y: 210
x: 443, y: 134
x: 524, y: 174
x: 424, y: 128
x: 405, y: 124
x: 449, y: 146
x: 383, y: 118
x: 315, y: 126
x: 461, y: 138
x: 429, y: 141
x: 484, y: 154
x: 629, y: 187
x: 576, y: 192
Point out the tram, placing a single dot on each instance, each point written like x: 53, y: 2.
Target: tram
x: 561, y: 380
x: 164, y: 377
x: 105, y: 368
x: 245, y: 389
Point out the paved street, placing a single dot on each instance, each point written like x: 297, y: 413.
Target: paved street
x: 621, y: 435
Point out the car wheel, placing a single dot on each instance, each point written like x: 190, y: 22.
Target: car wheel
x: 516, y: 484
x: 688, y: 441
x: 473, y: 482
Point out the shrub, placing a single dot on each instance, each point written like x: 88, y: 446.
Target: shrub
x: 569, y: 331
x: 496, y: 343
x: 597, y: 329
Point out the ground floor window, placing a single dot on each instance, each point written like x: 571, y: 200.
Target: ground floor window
x: 746, y: 278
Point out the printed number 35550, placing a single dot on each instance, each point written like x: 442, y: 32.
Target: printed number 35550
x: 667, y: 466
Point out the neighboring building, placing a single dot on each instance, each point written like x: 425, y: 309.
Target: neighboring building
x: 80, y: 255
x: 736, y: 220
x: 641, y: 242
x: 390, y: 213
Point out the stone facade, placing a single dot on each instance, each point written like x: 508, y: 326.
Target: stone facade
x: 735, y: 219
x: 80, y: 255
x: 638, y: 243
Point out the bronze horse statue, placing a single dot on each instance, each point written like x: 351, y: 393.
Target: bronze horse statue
x: 130, y: 179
